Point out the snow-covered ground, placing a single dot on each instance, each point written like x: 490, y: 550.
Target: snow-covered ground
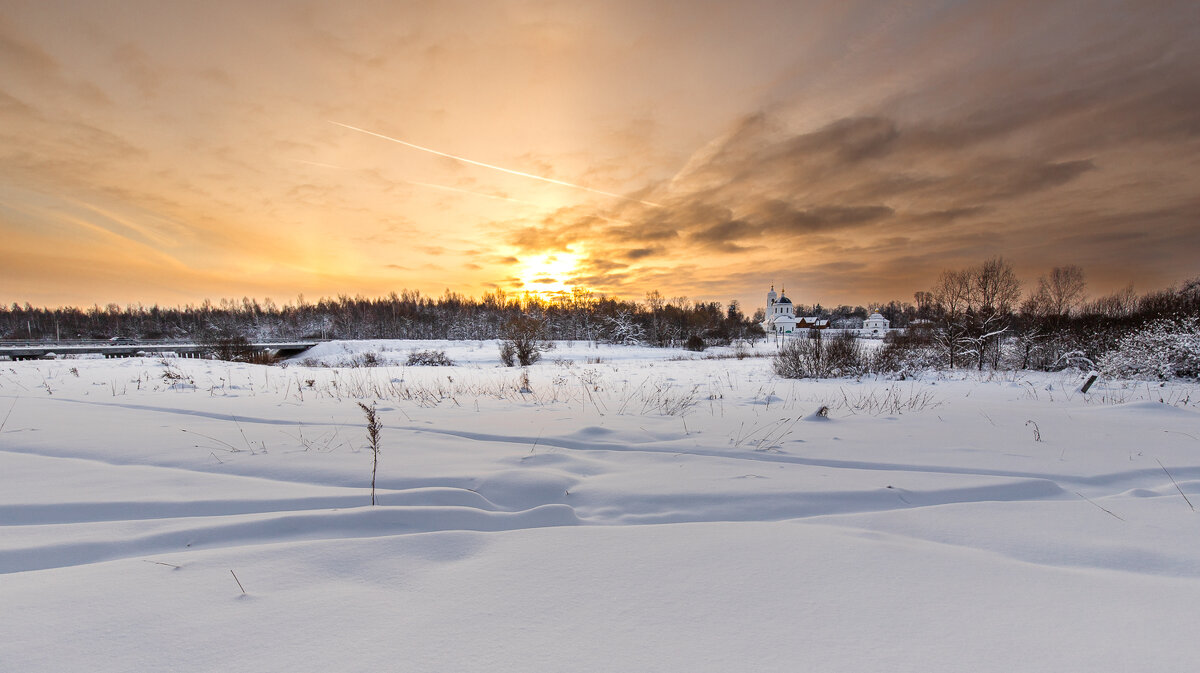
x: 622, y: 509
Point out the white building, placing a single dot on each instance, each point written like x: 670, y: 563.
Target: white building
x: 875, y: 326
x: 781, y: 316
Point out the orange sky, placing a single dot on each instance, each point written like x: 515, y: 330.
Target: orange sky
x: 165, y: 152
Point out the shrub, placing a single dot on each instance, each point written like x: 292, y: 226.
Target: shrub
x: 800, y: 358
x: 844, y: 355
x: 817, y: 357
x: 508, y: 354
x: 523, y: 341
x: 231, y: 348
x: 429, y: 358
x: 364, y: 359
x: 906, y: 352
x: 1161, y: 349
x: 694, y: 343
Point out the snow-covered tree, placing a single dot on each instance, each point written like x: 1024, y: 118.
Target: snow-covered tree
x: 1162, y: 349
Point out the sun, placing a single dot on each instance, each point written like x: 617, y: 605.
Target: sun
x: 548, y: 274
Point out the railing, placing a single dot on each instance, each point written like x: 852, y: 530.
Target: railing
x: 34, y: 343
x: 16, y: 349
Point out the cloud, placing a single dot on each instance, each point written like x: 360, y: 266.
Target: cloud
x: 959, y: 164
x: 847, y: 148
x: 598, y: 265
x: 641, y: 253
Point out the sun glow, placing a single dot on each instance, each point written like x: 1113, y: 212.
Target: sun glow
x: 548, y: 274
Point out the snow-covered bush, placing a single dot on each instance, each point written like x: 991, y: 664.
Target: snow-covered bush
x: 908, y: 352
x: 364, y: 359
x: 429, y: 358
x: 799, y: 359
x: 818, y: 358
x: 1161, y: 349
x: 845, y: 355
x: 524, y: 341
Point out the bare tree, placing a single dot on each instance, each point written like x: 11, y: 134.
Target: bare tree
x: 1062, y: 291
x: 953, y: 291
x: 975, y: 307
x: 1045, y: 314
x: 925, y: 303
x: 994, y: 286
x: 952, y: 296
x: 1119, y: 304
x: 995, y: 292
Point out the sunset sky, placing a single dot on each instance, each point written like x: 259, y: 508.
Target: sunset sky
x: 165, y: 152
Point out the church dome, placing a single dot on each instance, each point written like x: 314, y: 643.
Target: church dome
x: 783, y: 300
x: 876, y: 316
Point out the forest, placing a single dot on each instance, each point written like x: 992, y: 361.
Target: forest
x: 979, y: 317
x: 576, y: 316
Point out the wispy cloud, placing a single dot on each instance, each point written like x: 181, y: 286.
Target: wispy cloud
x: 510, y: 171
x: 851, y: 149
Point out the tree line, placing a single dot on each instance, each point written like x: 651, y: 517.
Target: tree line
x: 578, y: 315
x: 980, y: 317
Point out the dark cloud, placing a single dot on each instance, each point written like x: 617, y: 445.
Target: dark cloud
x: 946, y: 216
x: 600, y: 264
x: 1009, y: 178
x: 552, y: 234
x: 850, y: 140
x: 779, y: 217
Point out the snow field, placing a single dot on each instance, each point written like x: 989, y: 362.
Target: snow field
x: 631, y: 513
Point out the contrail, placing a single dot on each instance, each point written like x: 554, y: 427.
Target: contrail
x: 495, y: 168
x: 467, y: 191
x: 458, y: 190
x: 317, y: 163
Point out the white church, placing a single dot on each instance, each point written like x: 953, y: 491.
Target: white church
x: 781, y: 316
x: 781, y: 319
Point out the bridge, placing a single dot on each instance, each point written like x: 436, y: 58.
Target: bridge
x: 129, y: 348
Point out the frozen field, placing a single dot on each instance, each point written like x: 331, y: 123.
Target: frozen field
x: 618, y: 510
